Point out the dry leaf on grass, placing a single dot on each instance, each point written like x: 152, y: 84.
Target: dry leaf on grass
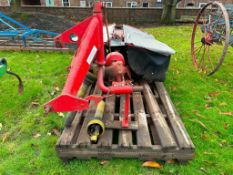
x: 223, y: 104
x: 152, y: 164
x: 173, y: 88
x: 5, y: 137
x: 171, y: 161
x: 104, y: 162
x: 222, y: 143
x: 52, y: 93
x: 207, y: 106
x: 35, y: 104
x: 208, y: 153
x: 222, y: 173
x: 60, y: 114
x: 37, y: 135
x: 226, y: 126
x: 198, y: 121
x: 226, y: 113
x: 213, y: 94
x: 203, y: 170
x: 198, y: 113
x: 56, y: 88
x: 204, y: 137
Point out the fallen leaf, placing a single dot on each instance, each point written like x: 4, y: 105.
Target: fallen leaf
x: 226, y: 113
x: 213, y: 94
x: 171, y: 161
x: 56, y: 132
x: 172, y: 171
x: 208, y: 153
x: 152, y: 164
x: 5, y: 137
x: 56, y: 88
x: 52, y: 93
x: 35, y: 104
x: 208, y: 98
x: 60, y: 114
x: 203, y: 169
x: 204, y: 137
x: 223, y: 104
x: 198, y: 121
x: 198, y: 114
x: 222, y: 143
x: 103, y: 162
x: 202, y: 124
x: 173, y: 88
x: 195, y: 111
x: 206, y: 162
x: 207, y: 106
x: 226, y: 126
x: 37, y: 135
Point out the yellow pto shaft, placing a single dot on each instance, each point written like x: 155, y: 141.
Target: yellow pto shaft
x: 95, y: 126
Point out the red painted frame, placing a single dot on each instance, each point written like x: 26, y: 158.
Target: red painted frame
x: 91, y: 47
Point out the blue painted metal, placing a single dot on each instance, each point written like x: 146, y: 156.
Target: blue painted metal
x: 221, y: 22
x: 16, y: 29
x: 229, y: 8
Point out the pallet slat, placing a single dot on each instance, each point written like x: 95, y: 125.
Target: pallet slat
x: 69, y: 133
x: 143, y: 135
x: 164, y: 133
x: 106, y: 139
x: 182, y: 137
x: 83, y: 137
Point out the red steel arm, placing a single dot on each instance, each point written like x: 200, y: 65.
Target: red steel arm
x: 91, y: 47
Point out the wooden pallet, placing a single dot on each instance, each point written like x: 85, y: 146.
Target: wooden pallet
x: 155, y: 132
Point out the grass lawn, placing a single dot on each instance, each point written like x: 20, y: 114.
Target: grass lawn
x: 27, y: 147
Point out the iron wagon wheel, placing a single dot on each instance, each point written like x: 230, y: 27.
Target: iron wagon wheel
x: 210, y: 38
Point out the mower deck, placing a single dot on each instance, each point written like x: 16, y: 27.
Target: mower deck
x: 155, y: 130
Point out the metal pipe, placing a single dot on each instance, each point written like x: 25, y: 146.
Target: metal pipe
x: 20, y: 86
x: 95, y: 126
x: 3, y: 70
x: 111, y: 89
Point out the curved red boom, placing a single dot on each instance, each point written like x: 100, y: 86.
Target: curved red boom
x: 89, y: 36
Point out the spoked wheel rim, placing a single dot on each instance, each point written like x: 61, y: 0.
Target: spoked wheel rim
x: 210, y: 38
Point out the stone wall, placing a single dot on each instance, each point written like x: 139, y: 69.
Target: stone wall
x: 118, y: 15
